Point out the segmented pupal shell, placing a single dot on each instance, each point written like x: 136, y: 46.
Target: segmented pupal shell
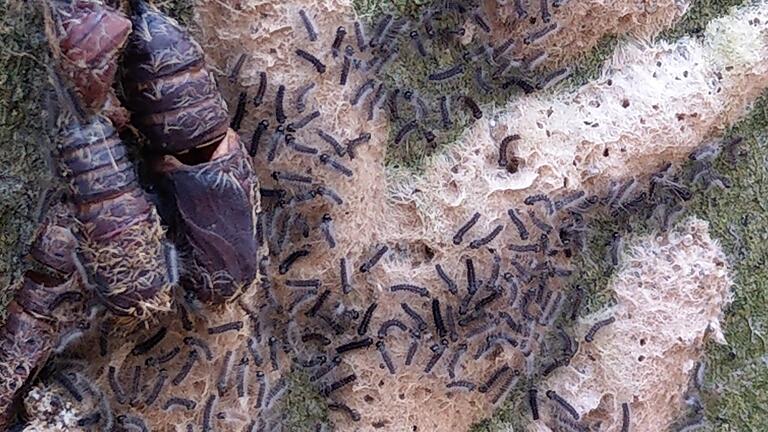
x: 121, y: 239
x: 215, y: 203
x: 167, y: 87
x: 89, y: 37
x: 47, y: 302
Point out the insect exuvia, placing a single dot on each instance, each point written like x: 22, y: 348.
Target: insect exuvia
x: 590, y: 336
x: 318, y: 65
x: 354, y: 345
x: 242, y: 99
x: 308, y: 26
x: 449, y: 73
x: 185, y: 368
x: 261, y: 90
x: 368, y: 265
x: 421, y: 291
x: 539, y: 35
x: 338, y: 39
x: 411, y: 352
x: 405, y: 131
x: 326, y: 159
x: 362, y: 329
x: 459, y: 236
x: 349, y: 379
x: 362, y: 91
x: 470, y: 103
x: 476, y: 244
x: 232, y: 326
x: 552, y: 395
x: 222, y: 382
x: 291, y: 259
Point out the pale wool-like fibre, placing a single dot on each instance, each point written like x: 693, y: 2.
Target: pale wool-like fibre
x: 671, y: 290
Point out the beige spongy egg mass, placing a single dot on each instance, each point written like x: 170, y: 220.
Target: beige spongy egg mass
x: 671, y: 290
x: 577, y: 26
x: 653, y: 104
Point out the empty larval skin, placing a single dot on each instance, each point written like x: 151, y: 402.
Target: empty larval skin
x: 204, y: 168
x: 122, y: 243
x: 48, y: 303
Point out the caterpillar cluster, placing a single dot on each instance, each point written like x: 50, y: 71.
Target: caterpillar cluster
x: 493, y: 322
x: 418, y: 118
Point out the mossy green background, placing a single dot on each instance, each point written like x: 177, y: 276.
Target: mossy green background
x: 736, y: 383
